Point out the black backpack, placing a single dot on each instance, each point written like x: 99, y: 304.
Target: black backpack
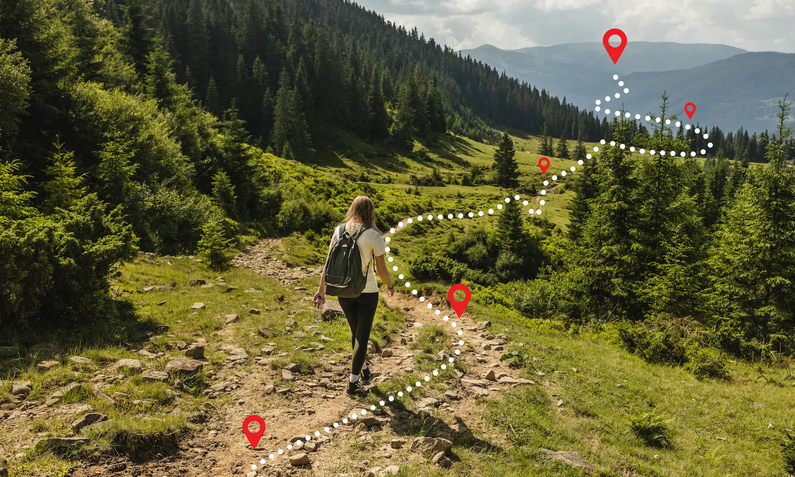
x: 344, y: 277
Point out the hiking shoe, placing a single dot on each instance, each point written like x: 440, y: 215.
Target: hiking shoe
x: 357, y: 389
x: 366, y: 376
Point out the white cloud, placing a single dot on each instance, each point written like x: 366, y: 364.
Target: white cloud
x: 511, y: 24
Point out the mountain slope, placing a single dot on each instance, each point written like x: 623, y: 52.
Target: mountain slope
x: 733, y: 91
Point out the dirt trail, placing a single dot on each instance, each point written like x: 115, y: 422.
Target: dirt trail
x: 311, y: 407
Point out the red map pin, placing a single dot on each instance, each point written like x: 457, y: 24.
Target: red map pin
x: 543, y: 163
x: 690, y: 110
x: 614, y: 51
x: 253, y: 437
x: 459, y: 306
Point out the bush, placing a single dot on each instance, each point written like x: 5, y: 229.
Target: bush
x: 428, y: 268
x: 214, y: 247
x: 651, y: 428
x: 55, y: 267
x: 705, y: 363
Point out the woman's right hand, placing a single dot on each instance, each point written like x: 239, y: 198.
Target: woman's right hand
x: 319, y: 299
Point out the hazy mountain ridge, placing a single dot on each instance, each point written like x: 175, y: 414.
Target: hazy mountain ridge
x: 731, y: 87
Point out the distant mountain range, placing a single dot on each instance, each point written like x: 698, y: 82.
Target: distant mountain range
x: 730, y: 87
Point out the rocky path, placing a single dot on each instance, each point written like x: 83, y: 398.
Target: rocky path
x: 317, y: 401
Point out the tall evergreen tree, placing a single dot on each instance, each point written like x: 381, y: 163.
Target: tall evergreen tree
x: 543, y: 147
x: 137, y: 36
x: 563, y: 146
x: 64, y: 187
x: 435, y: 108
x: 379, y: 118
x: 213, y: 99
x: 505, y: 164
x: 403, y: 129
x: 289, y: 121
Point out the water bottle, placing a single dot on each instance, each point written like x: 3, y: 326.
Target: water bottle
x: 318, y: 312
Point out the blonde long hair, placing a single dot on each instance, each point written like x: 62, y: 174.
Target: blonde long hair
x: 362, y: 208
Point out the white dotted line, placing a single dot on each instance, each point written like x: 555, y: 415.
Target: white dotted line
x: 648, y: 118
x: 453, y: 324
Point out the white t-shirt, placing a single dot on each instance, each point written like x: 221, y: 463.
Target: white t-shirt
x: 370, y: 244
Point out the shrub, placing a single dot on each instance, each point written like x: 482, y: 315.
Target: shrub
x: 215, y: 247
x: 427, y: 267
x: 705, y: 363
x: 651, y: 428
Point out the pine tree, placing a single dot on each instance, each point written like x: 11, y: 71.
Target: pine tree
x: 417, y: 87
x: 213, y: 100
x: 379, y: 118
x: 586, y: 188
x: 160, y: 81
x: 64, y: 186
x: 753, y: 261
x: 267, y: 117
x: 224, y: 194
x: 505, y: 164
x: 289, y: 121
x: 543, y: 147
x: 137, y: 37
x: 403, y: 129
x: 198, y: 38
x: 214, y: 247
x: 15, y: 200
x: 434, y: 108
x: 116, y: 169
x: 563, y: 146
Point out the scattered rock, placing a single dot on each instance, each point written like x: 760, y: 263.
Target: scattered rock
x: 266, y: 332
x: 103, y: 397
x: 427, y: 402
x: 45, y: 350
x: 269, y: 389
x: 287, y: 375
x: 231, y: 318
x: 574, y: 459
x: 87, y: 420
x: 331, y: 310
x: 431, y: 445
x: 79, y: 360
x: 483, y: 325
x: 208, y: 285
x: 46, y: 365
x: 397, y: 443
x: 490, y: 375
x: 268, y: 348
x: 391, y: 470
x: 184, y: 366
x: 299, y: 289
x: 229, y: 289
x: 196, y: 282
x: 161, y: 303
x: 236, y: 356
x: 441, y: 460
x: 771, y: 426
x: 63, y: 443
x: 21, y: 388
x: 178, y: 345
x: 560, y: 402
x: 514, y: 381
x: 117, y: 467
x: 387, y: 353
x: 298, y: 460
x: 133, y: 365
x: 195, y: 352
x: 310, y: 447
x: 451, y: 395
x: 254, y: 311
x: 759, y: 406
x: 148, y: 288
x: 198, y: 306
x: 292, y: 367
x: 155, y: 376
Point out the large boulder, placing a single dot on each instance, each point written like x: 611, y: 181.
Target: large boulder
x: 299, y: 459
x: 431, y: 445
x: 184, y: 366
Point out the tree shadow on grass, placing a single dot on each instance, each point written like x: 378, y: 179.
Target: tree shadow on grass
x: 420, y: 423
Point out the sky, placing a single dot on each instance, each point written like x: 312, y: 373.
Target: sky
x: 754, y: 25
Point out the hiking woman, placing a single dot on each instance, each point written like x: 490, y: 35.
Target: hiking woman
x: 360, y: 311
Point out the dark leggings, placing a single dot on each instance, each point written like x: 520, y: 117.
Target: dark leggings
x: 359, y: 312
